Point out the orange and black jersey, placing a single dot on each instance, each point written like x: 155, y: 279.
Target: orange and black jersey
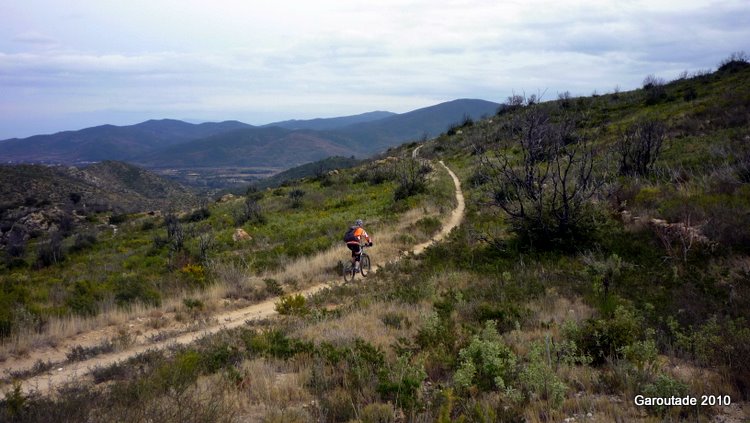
x: 359, y: 233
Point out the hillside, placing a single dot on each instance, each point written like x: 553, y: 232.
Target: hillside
x: 272, y: 147
x: 108, y: 142
x: 602, y: 263
x: 319, y: 169
x: 37, y: 198
x: 373, y: 137
x: 321, y: 124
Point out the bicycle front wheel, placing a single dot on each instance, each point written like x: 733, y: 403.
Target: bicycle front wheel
x: 364, y: 265
x: 348, y: 271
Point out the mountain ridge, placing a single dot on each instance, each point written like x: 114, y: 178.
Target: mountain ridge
x: 169, y: 142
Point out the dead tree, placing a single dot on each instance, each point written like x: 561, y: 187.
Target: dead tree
x: 639, y: 147
x: 544, y: 179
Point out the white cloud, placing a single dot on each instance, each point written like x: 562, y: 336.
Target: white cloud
x: 34, y: 37
x: 291, y: 59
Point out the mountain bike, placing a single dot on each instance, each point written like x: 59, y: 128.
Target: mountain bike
x: 364, y: 266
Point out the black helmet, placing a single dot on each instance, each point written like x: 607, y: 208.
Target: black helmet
x: 358, y: 222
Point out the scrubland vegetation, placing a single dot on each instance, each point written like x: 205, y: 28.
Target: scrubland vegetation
x: 604, y: 255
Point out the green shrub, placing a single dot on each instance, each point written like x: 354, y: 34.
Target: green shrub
x: 274, y: 343
x: 377, y: 413
x: 292, y: 305
x: 664, y: 387
x: 338, y: 405
x: 506, y: 315
x: 395, y: 320
x: 198, y: 215
x: 148, y: 225
x: 193, y: 304
x: 117, y: 219
x: 605, y: 338
x: 50, y: 252
x: 130, y: 288
x: 220, y: 356
x: 179, y: 374
x: 83, y: 242
x: 81, y: 353
x: 15, y: 402
x: 411, y: 180
x: 718, y: 343
x: 273, y: 287
x: 400, y: 382
x: 429, y: 225
x: 486, y: 362
x: 84, y: 298
x: 296, y: 196
x: 538, y: 378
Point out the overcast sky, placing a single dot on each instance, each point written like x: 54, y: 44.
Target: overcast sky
x: 78, y: 63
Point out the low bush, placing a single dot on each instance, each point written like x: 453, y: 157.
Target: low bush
x: 50, y: 252
x: 602, y: 339
x: 117, y: 219
x: 429, y: 225
x: 292, y: 305
x: 84, y: 298
x: 486, y: 362
x: 130, y: 288
x: 83, y: 241
x: 665, y: 387
x: 538, y: 378
x: 400, y: 383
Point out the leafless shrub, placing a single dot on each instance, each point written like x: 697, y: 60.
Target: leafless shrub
x: 735, y: 62
x: 545, y: 191
x: 639, y: 147
x: 250, y: 211
x: 564, y: 99
x: 654, y: 88
x: 679, y: 239
x: 206, y: 243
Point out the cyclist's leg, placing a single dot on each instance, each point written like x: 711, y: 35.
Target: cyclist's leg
x: 356, y: 251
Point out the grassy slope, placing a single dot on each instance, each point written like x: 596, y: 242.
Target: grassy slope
x: 483, y: 329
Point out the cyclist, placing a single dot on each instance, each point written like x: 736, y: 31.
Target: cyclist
x: 353, y: 239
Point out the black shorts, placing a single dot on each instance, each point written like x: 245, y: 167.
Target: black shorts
x: 356, y: 249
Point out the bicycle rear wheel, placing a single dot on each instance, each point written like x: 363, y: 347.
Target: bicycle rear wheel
x: 348, y: 271
x: 364, y: 265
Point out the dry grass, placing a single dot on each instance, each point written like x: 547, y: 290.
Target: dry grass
x: 110, y: 321
x: 368, y: 324
x: 324, y: 266
x: 272, y: 383
x: 274, y: 391
x: 556, y: 309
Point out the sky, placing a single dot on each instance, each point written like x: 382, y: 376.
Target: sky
x: 80, y: 63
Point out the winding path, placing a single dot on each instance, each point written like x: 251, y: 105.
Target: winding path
x: 70, y: 371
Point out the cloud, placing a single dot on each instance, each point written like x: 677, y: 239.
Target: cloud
x: 33, y: 37
x: 292, y: 58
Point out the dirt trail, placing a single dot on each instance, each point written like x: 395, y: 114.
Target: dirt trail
x: 70, y: 371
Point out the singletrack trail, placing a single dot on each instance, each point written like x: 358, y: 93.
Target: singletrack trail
x: 68, y: 372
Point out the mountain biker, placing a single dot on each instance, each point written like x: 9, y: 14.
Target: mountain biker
x: 353, y: 239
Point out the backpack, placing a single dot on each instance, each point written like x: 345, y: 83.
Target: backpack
x: 349, y: 235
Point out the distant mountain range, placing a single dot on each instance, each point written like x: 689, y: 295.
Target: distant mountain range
x: 321, y: 124
x: 108, y: 142
x: 178, y: 144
